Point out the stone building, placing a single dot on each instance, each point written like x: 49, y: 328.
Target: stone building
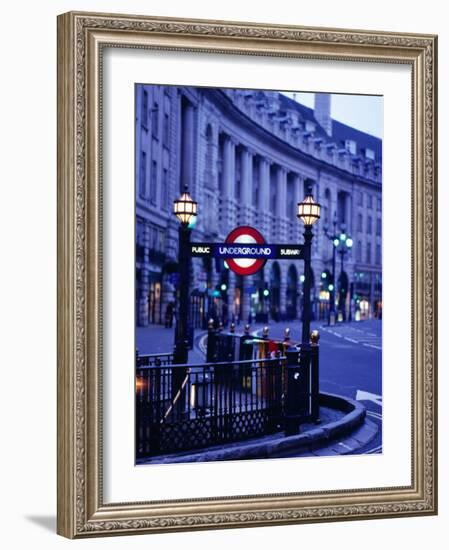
x: 248, y: 157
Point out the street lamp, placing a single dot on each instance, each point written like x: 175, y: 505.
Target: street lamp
x: 185, y: 209
x: 335, y: 242
x: 344, y: 247
x: 341, y: 244
x: 299, y: 360
x: 309, y: 213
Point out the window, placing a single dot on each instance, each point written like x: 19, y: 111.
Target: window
x: 370, y: 201
x: 290, y: 207
x: 360, y: 198
x: 310, y: 126
x: 155, y: 120
x: 161, y: 240
x: 143, y: 174
x: 368, y: 253
x: 360, y: 223
x: 379, y: 227
x: 379, y: 204
x: 256, y: 181
x: 238, y: 175
x: 273, y: 188
x: 359, y: 251
x: 140, y: 228
x: 369, y: 225
x: 378, y: 254
x: 327, y: 206
x: 153, y: 189
x: 341, y: 207
x: 166, y: 130
x: 351, y: 146
x: 144, y: 109
x: 165, y: 190
x: 370, y: 154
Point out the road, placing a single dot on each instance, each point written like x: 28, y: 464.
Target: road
x: 350, y: 364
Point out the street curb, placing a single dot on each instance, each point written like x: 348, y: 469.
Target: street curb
x: 311, y: 440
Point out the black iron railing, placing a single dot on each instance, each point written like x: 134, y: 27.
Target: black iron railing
x: 153, y: 359
x: 187, y: 407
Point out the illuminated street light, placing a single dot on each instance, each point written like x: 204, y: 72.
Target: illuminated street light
x: 309, y: 212
x: 185, y: 208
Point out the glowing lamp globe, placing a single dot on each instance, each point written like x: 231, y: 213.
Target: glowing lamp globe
x: 309, y: 210
x: 185, y: 208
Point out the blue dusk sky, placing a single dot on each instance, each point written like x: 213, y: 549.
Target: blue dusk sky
x: 364, y: 112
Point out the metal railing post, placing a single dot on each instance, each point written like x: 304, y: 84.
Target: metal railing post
x: 292, y: 402
x: 315, y: 375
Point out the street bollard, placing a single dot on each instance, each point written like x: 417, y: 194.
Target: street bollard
x: 247, y: 330
x: 232, y: 328
x: 287, y: 335
x: 265, y: 332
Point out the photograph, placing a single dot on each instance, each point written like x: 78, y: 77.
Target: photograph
x: 258, y: 274
x: 247, y: 282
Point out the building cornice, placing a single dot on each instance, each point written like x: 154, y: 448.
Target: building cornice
x: 228, y: 107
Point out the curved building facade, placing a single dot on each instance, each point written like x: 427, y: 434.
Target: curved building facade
x: 248, y: 157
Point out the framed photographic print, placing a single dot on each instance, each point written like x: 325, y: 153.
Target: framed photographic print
x: 247, y: 274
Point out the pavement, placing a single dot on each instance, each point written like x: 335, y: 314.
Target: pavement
x: 343, y: 430
x: 158, y: 339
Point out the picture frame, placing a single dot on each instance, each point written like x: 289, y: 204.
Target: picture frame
x: 82, y: 40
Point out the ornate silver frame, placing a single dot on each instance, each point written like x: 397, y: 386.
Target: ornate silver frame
x: 81, y: 37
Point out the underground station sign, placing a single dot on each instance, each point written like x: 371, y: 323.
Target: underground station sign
x: 246, y: 251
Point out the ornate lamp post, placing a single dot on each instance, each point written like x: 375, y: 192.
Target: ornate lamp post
x: 341, y: 244
x: 335, y: 242
x: 185, y: 209
x: 345, y: 245
x: 298, y: 361
x: 309, y: 213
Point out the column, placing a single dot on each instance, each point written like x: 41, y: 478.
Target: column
x: 228, y: 214
x: 298, y: 186
x: 247, y: 185
x: 188, y: 142
x: 264, y: 196
x: 281, y: 202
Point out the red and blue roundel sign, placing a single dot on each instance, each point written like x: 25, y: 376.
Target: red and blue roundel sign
x: 244, y: 235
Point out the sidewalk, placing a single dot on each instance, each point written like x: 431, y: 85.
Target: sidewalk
x: 344, y: 429
x: 158, y: 339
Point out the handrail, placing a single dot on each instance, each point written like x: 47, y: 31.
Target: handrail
x: 164, y: 354
x: 221, y: 364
